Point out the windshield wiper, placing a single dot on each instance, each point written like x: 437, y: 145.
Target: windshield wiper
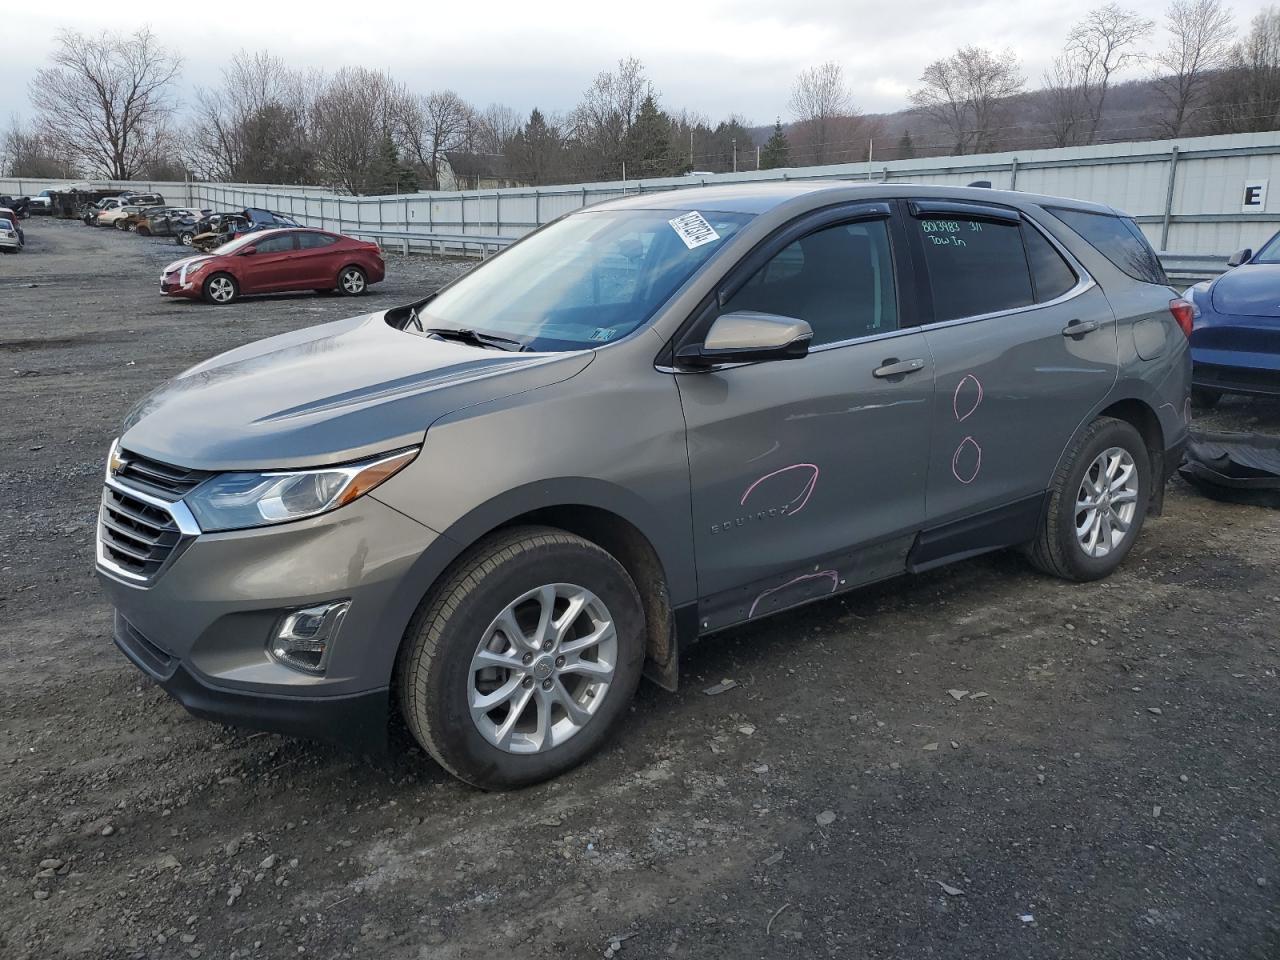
x: 472, y: 337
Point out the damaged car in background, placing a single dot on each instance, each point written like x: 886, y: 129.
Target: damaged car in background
x: 1235, y: 335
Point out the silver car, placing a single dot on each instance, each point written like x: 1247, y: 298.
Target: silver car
x: 494, y: 509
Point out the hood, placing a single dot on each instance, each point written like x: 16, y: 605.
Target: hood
x: 327, y: 394
x: 1250, y: 290
x: 178, y: 264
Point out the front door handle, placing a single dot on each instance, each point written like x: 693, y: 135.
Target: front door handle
x: 1078, y: 328
x: 893, y: 367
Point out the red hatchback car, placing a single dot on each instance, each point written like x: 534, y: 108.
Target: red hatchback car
x: 273, y: 261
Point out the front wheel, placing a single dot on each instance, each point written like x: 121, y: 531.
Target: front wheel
x: 221, y: 288
x: 352, y: 281
x: 1097, y: 503
x: 519, y: 665
x: 185, y: 237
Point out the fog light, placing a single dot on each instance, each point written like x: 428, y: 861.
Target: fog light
x: 305, y: 637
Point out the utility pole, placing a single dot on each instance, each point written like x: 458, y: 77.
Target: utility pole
x: 735, y: 154
x: 757, y: 156
x: 691, y: 148
x: 871, y: 148
x: 624, y: 171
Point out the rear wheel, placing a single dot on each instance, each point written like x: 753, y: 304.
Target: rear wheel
x: 221, y: 288
x: 1097, y: 504
x: 1205, y: 399
x: 352, y: 282
x: 518, y: 666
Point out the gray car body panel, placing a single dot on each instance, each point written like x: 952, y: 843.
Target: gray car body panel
x: 680, y: 456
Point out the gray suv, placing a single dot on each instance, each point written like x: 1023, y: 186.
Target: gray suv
x: 495, y: 509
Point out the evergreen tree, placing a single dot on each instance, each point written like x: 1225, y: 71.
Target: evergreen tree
x: 536, y: 152
x: 777, y: 151
x: 387, y: 174
x: 906, y: 146
x: 648, y: 143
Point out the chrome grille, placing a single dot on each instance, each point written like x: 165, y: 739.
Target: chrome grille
x: 160, y: 479
x: 135, y: 537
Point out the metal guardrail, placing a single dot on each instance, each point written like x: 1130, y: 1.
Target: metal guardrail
x: 435, y: 243
x: 1193, y: 267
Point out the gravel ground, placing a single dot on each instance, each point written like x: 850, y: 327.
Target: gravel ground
x: 976, y: 762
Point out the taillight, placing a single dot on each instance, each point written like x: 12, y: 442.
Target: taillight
x: 1183, y: 313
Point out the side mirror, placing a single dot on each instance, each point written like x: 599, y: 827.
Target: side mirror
x: 1239, y: 257
x: 748, y: 337
x: 248, y: 251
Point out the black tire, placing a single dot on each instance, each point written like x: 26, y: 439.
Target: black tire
x: 433, y: 669
x: 1205, y: 399
x: 142, y: 231
x: 185, y: 237
x: 121, y: 225
x: 1056, y: 549
x: 211, y: 290
x: 352, y: 281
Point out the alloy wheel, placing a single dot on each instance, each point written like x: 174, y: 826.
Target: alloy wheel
x: 1106, y: 502
x: 221, y: 289
x: 542, y: 669
x: 352, y: 281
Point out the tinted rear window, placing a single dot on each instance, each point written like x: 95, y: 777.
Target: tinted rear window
x: 1119, y: 240
x: 1051, y: 275
x: 975, y: 267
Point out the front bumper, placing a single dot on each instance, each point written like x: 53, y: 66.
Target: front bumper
x: 201, y: 627
x: 358, y: 721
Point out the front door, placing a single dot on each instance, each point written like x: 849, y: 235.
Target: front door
x: 1025, y: 348
x: 808, y: 475
x: 270, y: 266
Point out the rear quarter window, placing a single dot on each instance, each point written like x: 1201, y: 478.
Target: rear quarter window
x: 1119, y: 240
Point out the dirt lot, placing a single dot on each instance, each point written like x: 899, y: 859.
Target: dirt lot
x: 1108, y: 785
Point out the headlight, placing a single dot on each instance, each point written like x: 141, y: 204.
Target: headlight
x: 234, y: 501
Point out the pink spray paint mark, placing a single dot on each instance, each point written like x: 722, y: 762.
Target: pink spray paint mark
x: 797, y: 503
x: 955, y: 460
x: 821, y: 575
x: 955, y: 400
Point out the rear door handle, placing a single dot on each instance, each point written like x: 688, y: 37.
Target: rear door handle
x: 894, y: 367
x: 1078, y: 328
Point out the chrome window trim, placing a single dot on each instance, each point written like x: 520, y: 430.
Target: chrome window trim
x: 188, y: 530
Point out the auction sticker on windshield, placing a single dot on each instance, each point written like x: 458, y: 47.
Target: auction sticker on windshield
x: 693, y: 229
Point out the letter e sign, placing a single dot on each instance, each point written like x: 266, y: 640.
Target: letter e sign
x: 1254, y: 199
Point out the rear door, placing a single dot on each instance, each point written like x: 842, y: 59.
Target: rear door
x: 271, y: 266
x: 808, y: 476
x: 315, y: 260
x: 1024, y: 346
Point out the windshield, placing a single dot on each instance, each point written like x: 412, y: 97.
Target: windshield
x: 1270, y: 252
x: 231, y: 246
x: 585, y: 280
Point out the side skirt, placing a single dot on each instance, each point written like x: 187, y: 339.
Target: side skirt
x: 995, y: 529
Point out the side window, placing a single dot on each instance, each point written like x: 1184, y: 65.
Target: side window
x: 1051, y: 275
x: 310, y: 241
x: 277, y: 244
x: 974, y: 266
x: 1119, y: 240
x: 839, y: 280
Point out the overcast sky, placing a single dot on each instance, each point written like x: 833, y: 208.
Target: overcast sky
x: 711, y: 56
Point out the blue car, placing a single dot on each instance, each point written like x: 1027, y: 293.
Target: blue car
x: 1235, y: 336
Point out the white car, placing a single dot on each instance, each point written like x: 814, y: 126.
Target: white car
x: 10, y: 242
x: 43, y: 201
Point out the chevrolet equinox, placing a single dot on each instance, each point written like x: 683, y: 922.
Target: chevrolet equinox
x: 495, y: 508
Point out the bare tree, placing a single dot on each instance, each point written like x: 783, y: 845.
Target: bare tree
x: 603, y: 117
x: 826, y: 119
x: 1246, y: 94
x: 352, y: 118
x: 1098, y: 47
x: 254, y: 127
x: 1062, y: 103
x: 25, y: 152
x: 107, y: 99
x: 967, y: 92
x: 430, y: 126
x: 495, y: 126
x: 1200, y: 33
